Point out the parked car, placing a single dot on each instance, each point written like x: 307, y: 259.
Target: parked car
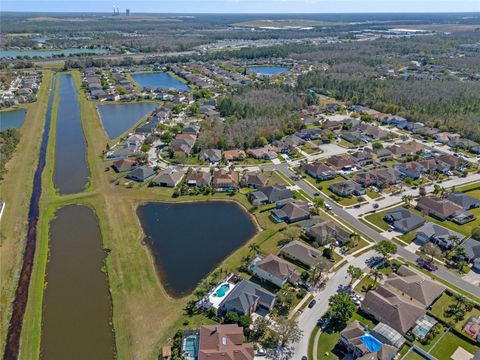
x: 328, y: 207
x: 312, y: 304
x: 428, y: 265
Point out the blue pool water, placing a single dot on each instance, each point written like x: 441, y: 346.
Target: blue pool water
x: 191, y: 346
x: 222, y: 290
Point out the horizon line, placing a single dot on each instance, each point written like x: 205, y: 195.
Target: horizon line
x: 245, y: 13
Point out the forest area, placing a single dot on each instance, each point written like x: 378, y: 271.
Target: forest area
x: 450, y: 105
x: 254, y: 117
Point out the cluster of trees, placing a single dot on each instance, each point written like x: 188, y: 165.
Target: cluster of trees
x: 9, y: 139
x: 450, y: 105
x: 254, y: 117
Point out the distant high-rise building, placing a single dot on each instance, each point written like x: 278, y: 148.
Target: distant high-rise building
x: 127, y: 12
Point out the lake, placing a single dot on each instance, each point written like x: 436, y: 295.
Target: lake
x: 49, y: 53
x: 118, y: 118
x: 267, y: 70
x: 71, y: 169
x: 189, y: 240
x: 159, y: 80
x: 76, y: 302
x: 12, y: 119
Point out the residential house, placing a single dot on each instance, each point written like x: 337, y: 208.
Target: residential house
x: 359, y: 341
x: 472, y: 328
x: 254, y: 179
x: 302, y: 253
x: 379, y: 178
x: 326, y: 231
x: 225, y: 180
x: 183, y: 143
x: 222, y: 342
x: 347, y: 188
x: 275, y: 270
x: 410, y: 169
x: 135, y: 141
x: 211, y: 155
x: 398, y: 151
x: 354, y: 137
x: 168, y: 178
x: 403, y: 220
x: 247, y: 298
x: 465, y: 201
x: 124, y: 165
x: 443, y: 209
x: 319, y: 171
x: 340, y: 163
x: 198, y: 178
x: 393, y: 309
x: 270, y: 194
x: 332, y: 125
x: 263, y: 153
x: 375, y: 132
x: 120, y: 153
x: 141, y: 174
x: 381, y: 154
x: 437, y: 234
x: 418, y: 287
x: 362, y: 158
x: 288, y: 143
x: 291, y: 211
x: 456, y: 163
x: 234, y: 155
x: 472, y: 249
x: 431, y: 165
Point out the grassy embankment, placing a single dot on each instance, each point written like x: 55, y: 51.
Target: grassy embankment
x: 15, y: 191
x: 143, y: 314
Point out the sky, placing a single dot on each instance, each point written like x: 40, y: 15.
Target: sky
x: 243, y: 6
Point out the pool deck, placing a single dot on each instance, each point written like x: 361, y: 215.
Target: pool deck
x: 215, y: 300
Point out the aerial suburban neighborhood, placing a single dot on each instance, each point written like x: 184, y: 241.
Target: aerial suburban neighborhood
x: 199, y: 187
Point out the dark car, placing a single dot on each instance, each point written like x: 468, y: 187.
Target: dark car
x: 428, y: 265
x: 312, y: 304
x: 304, y: 358
x: 316, y: 194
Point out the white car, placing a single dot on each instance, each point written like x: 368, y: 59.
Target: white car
x: 328, y: 207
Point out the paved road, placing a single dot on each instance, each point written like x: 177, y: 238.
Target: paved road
x: 308, y: 319
x: 375, y: 236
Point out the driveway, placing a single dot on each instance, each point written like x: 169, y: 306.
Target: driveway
x: 308, y: 319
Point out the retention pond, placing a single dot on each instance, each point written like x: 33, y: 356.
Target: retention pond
x: 118, y: 118
x: 188, y: 240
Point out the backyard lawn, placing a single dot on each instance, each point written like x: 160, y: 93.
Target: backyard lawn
x: 442, y: 304
x: 366, y: 283
x: 447, y: 346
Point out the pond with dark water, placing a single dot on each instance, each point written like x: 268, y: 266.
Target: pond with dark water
x: 118, y: 118
x: 189, y: 240
x: 267, y: 70
x: 159, y: 80
x: 12, y: 119
x: 76, y: 302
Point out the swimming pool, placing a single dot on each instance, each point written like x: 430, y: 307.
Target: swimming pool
x: 222, y: 290
x: 190, y: 346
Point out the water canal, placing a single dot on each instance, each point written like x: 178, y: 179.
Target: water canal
x: 267, y: 70
x: 118, y: 118
x: 159, y: 80
x: 21, y: 293
x: 188, y: 240
x: 12, y: 119
x: 76, y: 302
x: 71, y: 169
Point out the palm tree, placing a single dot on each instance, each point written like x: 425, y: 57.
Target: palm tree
x: 254, y: 248
x: 355, y: 237
x: 407, y: 199
x: 376, y: 275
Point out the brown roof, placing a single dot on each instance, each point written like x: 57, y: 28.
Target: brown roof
x: 417, y: 287
x: 339, y: 162
x: 234, y: 154
x: 393, y: 309
x: 276, y: 266
x: 223, y: 177
x: 441, y: 208
x: 223, y: 342
x: 186, y: 136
